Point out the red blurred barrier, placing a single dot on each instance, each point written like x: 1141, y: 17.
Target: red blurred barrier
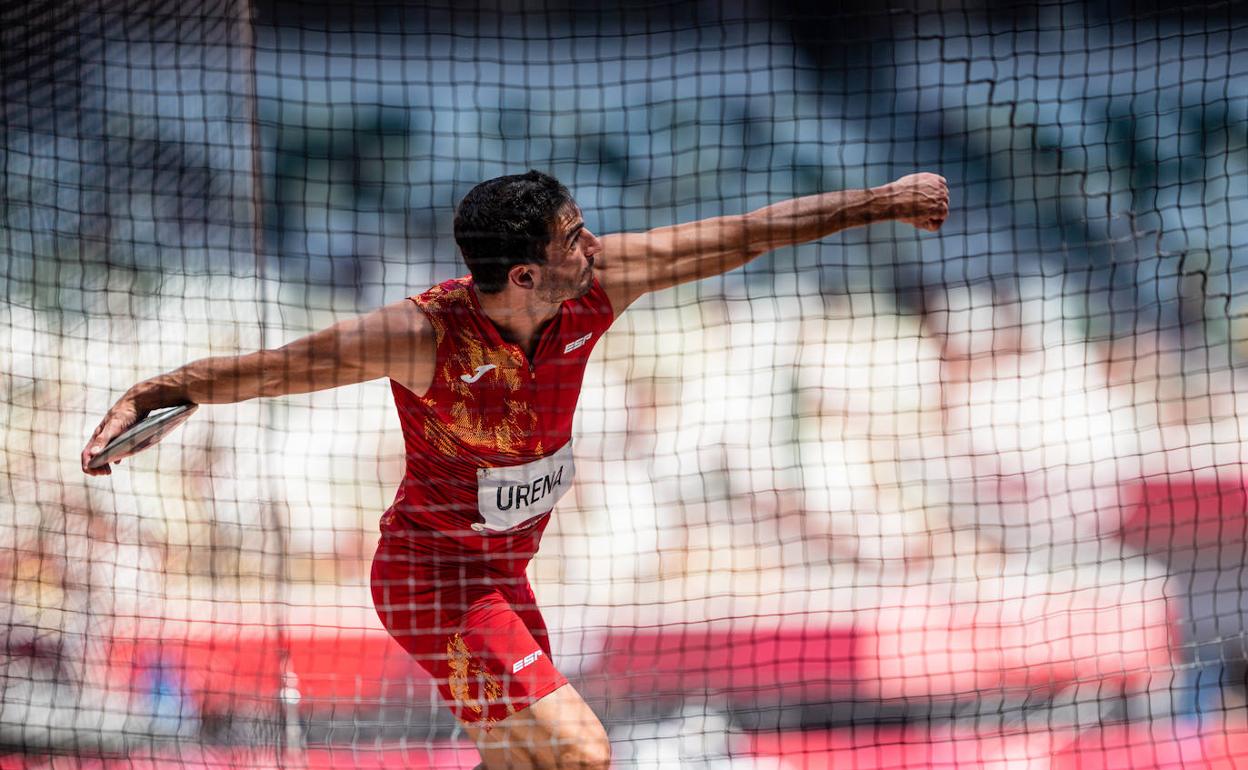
x: 922, y: 648
x: 917, y: 648
x: 811, y: 663
x: 1173, y: 516
x: 232, y: 665
x: 1161, y: 746
x: 894, y: 748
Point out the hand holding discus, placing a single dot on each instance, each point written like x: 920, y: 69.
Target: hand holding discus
x: 123, y: 433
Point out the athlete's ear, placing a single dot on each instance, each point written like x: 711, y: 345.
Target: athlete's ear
x: 522, y: 276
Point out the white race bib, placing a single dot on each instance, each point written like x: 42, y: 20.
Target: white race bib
x: 512, y: 496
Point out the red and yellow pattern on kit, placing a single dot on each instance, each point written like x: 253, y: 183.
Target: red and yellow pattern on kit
x: 488, y: 406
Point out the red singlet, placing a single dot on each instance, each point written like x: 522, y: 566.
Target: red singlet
x: 488, y: 454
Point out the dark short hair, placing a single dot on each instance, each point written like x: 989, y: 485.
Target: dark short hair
x: 507, y: 221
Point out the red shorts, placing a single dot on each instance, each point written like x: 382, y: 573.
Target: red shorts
x: 479, y: 634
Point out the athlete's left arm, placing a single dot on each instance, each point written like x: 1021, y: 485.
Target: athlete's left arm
x: 631, y: 264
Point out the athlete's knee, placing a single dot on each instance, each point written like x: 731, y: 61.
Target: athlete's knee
x: 589, y: 751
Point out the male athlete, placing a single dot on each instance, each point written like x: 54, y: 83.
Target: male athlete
x: 486, y: 371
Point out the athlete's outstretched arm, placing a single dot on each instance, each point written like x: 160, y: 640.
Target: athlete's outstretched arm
x: 632, y: 264
x: 394, y: 341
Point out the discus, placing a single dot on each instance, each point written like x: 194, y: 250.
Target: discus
x: 152, y: 428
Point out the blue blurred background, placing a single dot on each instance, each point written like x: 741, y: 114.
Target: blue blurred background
x: 1104, y: 141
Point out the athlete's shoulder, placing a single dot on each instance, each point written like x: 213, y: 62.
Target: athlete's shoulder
x: 446, y: 306
x: 454, y: 292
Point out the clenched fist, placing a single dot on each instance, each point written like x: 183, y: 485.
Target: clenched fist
x: 921, y: 200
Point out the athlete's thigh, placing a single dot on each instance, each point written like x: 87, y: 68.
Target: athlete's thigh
x: 462, y: 628
x: 557, y: 731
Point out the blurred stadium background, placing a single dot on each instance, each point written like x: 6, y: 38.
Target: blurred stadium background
x: 973, y: 499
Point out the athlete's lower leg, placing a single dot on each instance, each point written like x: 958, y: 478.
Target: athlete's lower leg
x: 558, y: 732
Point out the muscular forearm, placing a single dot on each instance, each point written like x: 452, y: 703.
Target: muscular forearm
x: 221, y: 380
x: 636, y: 263
x: 814, y: 216
x: 713, y: 246
x: 391, y: 342
x: 394, y: 341
x: 921, y: 200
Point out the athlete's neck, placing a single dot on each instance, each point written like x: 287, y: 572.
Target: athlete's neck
x: 518, y: 315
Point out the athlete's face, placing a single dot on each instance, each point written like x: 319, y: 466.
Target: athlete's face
x: 569, y: 269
